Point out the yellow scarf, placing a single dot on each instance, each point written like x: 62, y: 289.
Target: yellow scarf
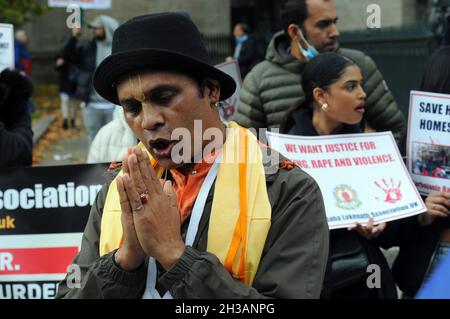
x: 240, y: 214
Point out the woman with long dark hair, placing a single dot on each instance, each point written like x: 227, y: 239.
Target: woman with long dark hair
x: 335, y: 104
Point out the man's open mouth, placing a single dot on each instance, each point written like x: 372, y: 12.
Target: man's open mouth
x: 162, y: 147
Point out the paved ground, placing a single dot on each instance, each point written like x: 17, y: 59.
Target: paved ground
x: 63, y: 147
x: 73, y: 151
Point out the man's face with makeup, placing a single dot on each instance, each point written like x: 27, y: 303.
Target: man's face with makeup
x: 156, y: 103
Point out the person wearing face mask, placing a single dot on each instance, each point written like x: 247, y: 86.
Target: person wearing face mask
x: 87, y: 56
x: 305, y: 50
x: 335, y: 103
x: 245, y: 52
x: 274, y: 85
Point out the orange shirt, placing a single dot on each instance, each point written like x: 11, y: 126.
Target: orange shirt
x: 188, y: 187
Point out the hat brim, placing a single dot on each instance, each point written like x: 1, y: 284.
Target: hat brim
x: 117, y: 65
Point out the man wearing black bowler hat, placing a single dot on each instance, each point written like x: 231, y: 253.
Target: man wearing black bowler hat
x: 181, y: 219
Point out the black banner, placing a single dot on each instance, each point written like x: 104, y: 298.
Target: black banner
x: 42, y: 200
x: 43, y: 212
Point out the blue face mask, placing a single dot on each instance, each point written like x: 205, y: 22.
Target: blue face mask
x: 241, y: 39
x: 309, y: 53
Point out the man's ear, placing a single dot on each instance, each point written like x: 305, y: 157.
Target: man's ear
x: 213, y: 88
x: 293, y: 32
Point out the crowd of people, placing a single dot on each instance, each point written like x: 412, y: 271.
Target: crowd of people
x: 164, y: 229
x: 434, y: 161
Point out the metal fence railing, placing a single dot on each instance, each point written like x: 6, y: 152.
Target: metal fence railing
x: 219, y: 47
x: 400, y: 55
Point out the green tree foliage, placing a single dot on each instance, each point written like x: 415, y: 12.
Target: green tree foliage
x: 18, y: 12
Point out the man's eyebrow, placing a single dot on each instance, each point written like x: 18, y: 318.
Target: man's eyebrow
x: 327, y: 21
x: 150, y: 93
x: 161, y: 88
x: 127, y: 101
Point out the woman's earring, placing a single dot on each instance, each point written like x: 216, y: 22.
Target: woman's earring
x: 325, y: 107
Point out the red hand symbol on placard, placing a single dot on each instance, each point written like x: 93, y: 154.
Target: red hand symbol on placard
x: 393, y: 194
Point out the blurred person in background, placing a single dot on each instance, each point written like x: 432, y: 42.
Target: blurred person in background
x: 246, y: 50
x: 87, y: 56
x: 23, y: 60
x: 22, y: 56
x: 16, y: 136
x: 67, y: 81
x: 275, y: 85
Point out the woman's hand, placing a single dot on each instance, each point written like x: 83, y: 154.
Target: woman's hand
x: 438, y: 206
x: 369, y: 231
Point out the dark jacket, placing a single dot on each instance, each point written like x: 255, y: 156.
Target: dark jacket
x: 248, y: 56
x: 274, y: 86
x: 343, y: 243
x: 22, y: 57
x: 292, y: 263
x: 84, y: 57
x: 16, y: 136
x: 67, y: 72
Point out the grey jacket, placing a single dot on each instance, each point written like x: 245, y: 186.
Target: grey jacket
x: 86, y: 57
x: 274, y: 86
x: 292, y: 264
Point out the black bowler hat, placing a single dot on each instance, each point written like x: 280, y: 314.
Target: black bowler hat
x: 161, y: 41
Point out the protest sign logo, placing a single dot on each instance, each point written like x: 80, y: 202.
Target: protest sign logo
x: 392, y: 193
x: 346, y: 197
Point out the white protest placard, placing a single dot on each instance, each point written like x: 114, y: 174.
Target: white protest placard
x: 428, y: 145
x: 232, y: 69
x: 6, y: 46
x: 84, y: 4
x: 361, y: 176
